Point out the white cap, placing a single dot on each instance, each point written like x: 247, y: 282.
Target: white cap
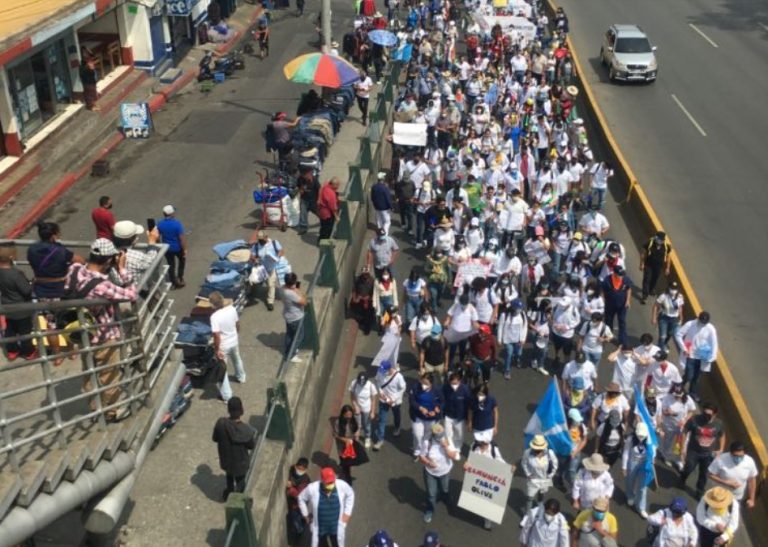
x: 382, y: 175
x: 169, y: 210
x: 641, y: 430
x: 474, y: 222
x: 126, y: 229
x: 435, y: 94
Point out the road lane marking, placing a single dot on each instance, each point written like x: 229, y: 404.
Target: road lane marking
x: 688, y: 114
x: 765, y: 27
x: 701, y: 33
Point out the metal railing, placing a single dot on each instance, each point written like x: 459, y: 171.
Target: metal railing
x: 48, y: 403
x: 325, y: 272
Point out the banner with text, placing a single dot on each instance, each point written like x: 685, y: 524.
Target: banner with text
x: 486, y: 487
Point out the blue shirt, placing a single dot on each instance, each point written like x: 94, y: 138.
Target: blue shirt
x: 171, y: 231
x: 328, y: 511
x: 380, y: 197
x: 482, y: 413
x: 456, y: 403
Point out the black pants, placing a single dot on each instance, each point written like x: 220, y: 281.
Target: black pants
x: 234, y: 484
x: 328, y: 540
x: 19, y: 327
x: 406, y: 215
x: 326, y: 228
x: 176, y: 264
x: 701, y: 460
x: 362, y: 103
x: 651, y: 276
x: 707, y: 537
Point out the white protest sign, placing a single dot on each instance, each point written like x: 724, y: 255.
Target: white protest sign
x: 486, y: 487
x: 469, y: 270
x: 510, y: 24
x: 410, y: 134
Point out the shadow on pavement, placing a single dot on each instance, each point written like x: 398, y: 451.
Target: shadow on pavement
x: 406, y: 491
x: 209, y: 484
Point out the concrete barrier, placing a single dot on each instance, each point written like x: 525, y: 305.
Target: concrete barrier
x: 644, y: 221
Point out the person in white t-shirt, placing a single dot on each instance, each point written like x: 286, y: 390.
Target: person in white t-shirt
x: 363, y: 93
x: 624, y: 368
x: 594, y: 222
x: 484, y: 447
x: 364, y: 396
x: 583, y: 368
x: 593, y: 334
x: 460, y: 323
x: 662, y: 374
x: 736, y: 471
x: 437, y: 455
x: 225, y: 324
x: 600, y: 172
x: 676, y: 409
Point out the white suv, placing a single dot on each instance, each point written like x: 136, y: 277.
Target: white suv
x: 628, y: 54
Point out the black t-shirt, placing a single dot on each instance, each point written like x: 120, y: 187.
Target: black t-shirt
x: 49, y: 260
x: 434, y: 351
x: 656, y: 254
x: 705, y: 435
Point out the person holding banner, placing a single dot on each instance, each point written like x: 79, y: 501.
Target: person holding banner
x: 437, y: 455
x: 489, y: 449
x: 539, y: 466
x: 545, y: 526
x: 634, y: 465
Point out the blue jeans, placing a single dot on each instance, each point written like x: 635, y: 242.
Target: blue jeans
x: 364, y: 423
x: 382, y: 423
x: 303, y: 214
x: 593, y: 356
x: 293, y: 330
x: 599, y: 197
x: 668, y: 327
x: 435, y: 292
x: 386, y: 302
x: 635, y: 486
x: 412, y: 308
x: 421, y: 222
x: 435, y: 486
x: 692, y: 373
x: 512, y: 352
x: 557, y: 261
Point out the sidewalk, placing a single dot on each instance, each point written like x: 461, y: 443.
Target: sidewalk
x: 63, y: 153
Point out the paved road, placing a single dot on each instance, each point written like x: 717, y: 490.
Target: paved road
x: 390, y: 488
x: 203, y: 158
x: 708, y: 190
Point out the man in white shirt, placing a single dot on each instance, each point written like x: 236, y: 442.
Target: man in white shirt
x: 583, y: 368
x: 225, y: 325
x: 593, y: 334
x: 545, y: 526
x: 698, y: 340
x: 601, y: 172
x: 594, y: 222
x: 417, y: 170
x: 391, y: 386
x: 364, y: 396
x: 624, y: 368
x: 363, y: 93
x: 736, y: 471
x: 437, y: 455
x: 516, y: 213
x: 663, y: 374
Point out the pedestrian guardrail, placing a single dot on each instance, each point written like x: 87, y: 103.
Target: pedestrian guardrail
x: 241, y: 528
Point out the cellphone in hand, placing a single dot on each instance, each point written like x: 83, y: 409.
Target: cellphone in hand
x: 150, y: 224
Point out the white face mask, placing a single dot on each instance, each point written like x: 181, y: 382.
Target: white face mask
x: 674, y: 293
x: 590, y: 292
x: 481, y: 398
x: 549, y: 518
x: 425, y: 387
x: 300, y: 473
x: 385, y: 278
x: 454, y: 387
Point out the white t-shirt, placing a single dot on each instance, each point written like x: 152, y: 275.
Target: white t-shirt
x: 363, y: 394
x: 438, y: 454
x: 592, y: 334
x: 676, y: 410
x: 363, y: 87
x: 624, y: 369
x: 224, y: 322
x: 391, y: 391
x: 604, y: 406
x: 422, y: 326
x: 724, y: 467
x: 586, y: 371
x: 462, y: 319
x: 661, y: 379
x: 594, y: 223
x: 600, y: 174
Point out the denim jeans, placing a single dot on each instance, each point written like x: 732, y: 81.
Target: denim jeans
x: 435, y: 486
x: 512, y: 352
x: 435, y: 292
x: 386, y: 302
x: 691, y: 374
x: 599, y: 197
x: 593, y: 356
x: 232, y: 355
x: 406, y: 216
x: 293, y: 330
x: 635, y: 486
x: 364, y: 423
x: 382, y: 423
x: 303, y: 214
x: 668, y: 327
x: 412, y: 306
x: 421, y: 221
x: 557, y: 261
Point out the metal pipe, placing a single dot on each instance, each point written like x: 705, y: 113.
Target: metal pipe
x: 326, y: 26
x: 22, y: 523
x: 105, y: 515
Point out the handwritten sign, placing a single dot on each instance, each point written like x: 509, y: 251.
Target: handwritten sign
x: 469, y: 270
x: 486, y: 487
x: 136, y: 120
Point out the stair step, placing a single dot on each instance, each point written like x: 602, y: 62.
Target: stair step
x: 115, y: 435
x: 78, y: 452
x: 55, y: 467
x: 32, y: 475
x: 97, y: 444
x: 10, y: 486
x: 135, y: 427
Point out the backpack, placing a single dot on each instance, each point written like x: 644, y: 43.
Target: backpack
x: 69, y: 318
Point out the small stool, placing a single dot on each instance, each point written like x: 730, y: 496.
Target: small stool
x: 114, y: 55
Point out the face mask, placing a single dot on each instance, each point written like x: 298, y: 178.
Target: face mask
x: 737, y: 459
x: 439, y: 437
x: 300, y: 473
x: 590, y: 292
x: 548, y: 518
x: 454, y: 387
x: 598, y: 515
x: 721, y: 511
x: 504, y: 282
x: 674, y: 293
x: 385, y: 278
x: 329, y: 487
x: 425, y: 387
x: 481, y: 398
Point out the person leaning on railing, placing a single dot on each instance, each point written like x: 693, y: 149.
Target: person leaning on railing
x: 15, y: 289
x: 91, y: 280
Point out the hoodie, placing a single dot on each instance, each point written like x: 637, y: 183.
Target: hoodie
x: 234, y: 440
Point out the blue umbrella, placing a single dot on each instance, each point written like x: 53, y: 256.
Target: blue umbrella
x: 383, y: 38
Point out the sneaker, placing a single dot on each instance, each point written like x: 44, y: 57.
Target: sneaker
x: 507, y: 376
x: 487, y: 525
x: 543, y: 371
x: 270, y: 307
x: 367, y: 443
x: 417, y: 246
x: 295, y: 359
x: 240, y: 380
x: 427, y: 516
x: 377, y: 445
x: 33, y: 355
x: 644, y: 514
x: 397, y: 432
x: 12, y: 355
x: 631, y: 502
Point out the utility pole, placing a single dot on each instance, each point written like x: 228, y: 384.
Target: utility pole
x: 326, y: 25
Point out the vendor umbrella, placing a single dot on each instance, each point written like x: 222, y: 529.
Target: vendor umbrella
x: 321, y: 69
x: 383, y: 38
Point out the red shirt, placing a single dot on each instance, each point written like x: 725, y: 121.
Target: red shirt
x: 104, y: 221
x: 482, y: 347
x: 327, y: 202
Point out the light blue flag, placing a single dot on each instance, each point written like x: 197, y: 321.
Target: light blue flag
x: 403, y: 53
x: 549, y: 420
x: 492, y: 96
x: 652, y: 442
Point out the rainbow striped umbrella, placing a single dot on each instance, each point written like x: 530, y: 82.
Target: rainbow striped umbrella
x: 321, y: 69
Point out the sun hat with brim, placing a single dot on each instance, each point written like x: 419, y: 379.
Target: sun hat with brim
x: 718, y: 497
x: 595, y: 463
x: 126, y: 229
x: 103, y: 247
x: 613, y: 387
x: 600, y: 504
x: 572, y: 90
x: 538, y: 442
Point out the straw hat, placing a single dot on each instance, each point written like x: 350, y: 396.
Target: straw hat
x: 600, y: 504
x: 613, y: 387
x: 572, y: 90
x: 595, y: 463
x: 718, y: 497
x: 538, y: 442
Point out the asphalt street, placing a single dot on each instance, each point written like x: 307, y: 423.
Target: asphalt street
x: 707, y: 188
x: 390, y: 489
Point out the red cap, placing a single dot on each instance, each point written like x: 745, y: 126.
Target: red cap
x: 485, y: 329
x: 327, y: 475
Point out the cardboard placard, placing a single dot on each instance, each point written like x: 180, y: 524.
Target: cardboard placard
x: 486, y: 487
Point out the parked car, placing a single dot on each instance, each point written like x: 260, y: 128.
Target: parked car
x: 628, y: 54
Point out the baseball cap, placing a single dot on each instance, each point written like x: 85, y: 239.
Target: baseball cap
x: 381, y: 539
x: 126, y: 229
x: 327, y: 475
x: 437, y: 329
x: 385, y: 366
x: 575, y: 415
x: 261, y: 234
x: 381, y: 175
x: 678, y: 505
x: 431, y: 539
x: 169, y: 210
x: 103, y: 247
